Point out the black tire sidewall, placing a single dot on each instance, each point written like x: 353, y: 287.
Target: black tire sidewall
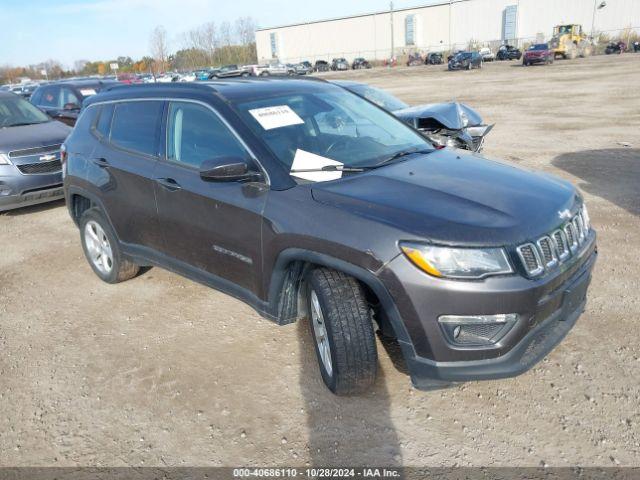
x: 97, y: 216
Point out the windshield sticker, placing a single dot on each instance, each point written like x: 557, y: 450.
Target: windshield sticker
x: 276, y: 117
x: 86, y: 92
x: 310, y: 161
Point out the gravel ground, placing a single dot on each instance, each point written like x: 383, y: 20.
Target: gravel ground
x: 161, y: 371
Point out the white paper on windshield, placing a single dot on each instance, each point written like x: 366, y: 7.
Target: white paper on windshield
x: 276, y: 117
x: 307, y: 161
x: 86, y: 92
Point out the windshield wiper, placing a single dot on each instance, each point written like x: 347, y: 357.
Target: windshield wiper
x: 331, y: 168
x: 398, y: 155
x: 21, y: 124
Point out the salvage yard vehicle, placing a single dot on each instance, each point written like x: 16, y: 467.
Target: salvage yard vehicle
x: 569, y: 42
x: 434, y: 58
x: 338, y: 64
x: 30, y: 169
x: 477, y: 268
x: 321, y: 66
x: 272, y: 69
x: 415, y: 59
x: 508, y: 52
x: 615, y: 47
x: 538, y: 53
x: 465, y: 61
x: 453, y: 124
x: 487, y: 55
x: 300, y: 68
x: 359, y: 63
x: 227, y: 71
x: 63, y: 100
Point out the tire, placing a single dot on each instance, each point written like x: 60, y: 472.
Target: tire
x: 245, y: 75
x: 469, y: 66
x: 96, y: 235
x: 264, y: 74
x: 342, y: 330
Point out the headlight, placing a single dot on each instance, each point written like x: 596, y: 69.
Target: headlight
x: 441, y: 140
x: 4, y: 159
x: 585, y: 218
x: 457, y: 262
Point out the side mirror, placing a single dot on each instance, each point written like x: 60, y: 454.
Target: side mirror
x: 71, y: 106
x: 226, y: 169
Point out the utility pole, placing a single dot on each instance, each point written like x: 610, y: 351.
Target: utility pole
x: 391, y: 17
x: 450, y: 25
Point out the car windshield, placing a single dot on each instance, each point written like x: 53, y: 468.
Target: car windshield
x: 15, y: 111
x: 463, y: 55
x: 331, y: 124
x: 539, y: 46
x: 379, y: 97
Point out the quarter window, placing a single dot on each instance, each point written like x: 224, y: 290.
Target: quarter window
x: 195, y: 134
x: 68, y: 97
x: 135, y: 126
x: 104, y: 120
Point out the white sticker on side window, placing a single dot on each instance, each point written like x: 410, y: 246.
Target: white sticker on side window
x: 310, y: 161
x: 276, y: 117
x: 86, y: 92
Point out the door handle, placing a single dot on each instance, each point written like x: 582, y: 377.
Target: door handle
x: 101, y: 162
x: 169, y: 184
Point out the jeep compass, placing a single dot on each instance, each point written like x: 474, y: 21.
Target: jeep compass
x: 311, y: 203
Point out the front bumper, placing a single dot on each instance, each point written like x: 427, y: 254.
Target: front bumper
x: 547, y: 308
x: 18, y: 190
x: 535, y: 59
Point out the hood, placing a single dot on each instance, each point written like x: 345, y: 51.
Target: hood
x: 454, y: 198
x: 30, y: 136
x: 450, y: 115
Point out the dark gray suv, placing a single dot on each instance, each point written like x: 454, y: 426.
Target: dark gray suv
x: 307, y: 201
x: 30, y: 141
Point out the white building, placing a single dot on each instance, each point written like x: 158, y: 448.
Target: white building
x: 442, y: 26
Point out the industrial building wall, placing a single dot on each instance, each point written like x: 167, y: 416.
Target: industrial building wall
x: 481, y: 21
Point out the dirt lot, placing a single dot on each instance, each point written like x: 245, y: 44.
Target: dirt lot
x: 163, y: 371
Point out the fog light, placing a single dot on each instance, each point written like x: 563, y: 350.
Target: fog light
x: 476, y: 330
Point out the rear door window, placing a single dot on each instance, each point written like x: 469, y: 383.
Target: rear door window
x: 50, y: 97
x: 135, y: 126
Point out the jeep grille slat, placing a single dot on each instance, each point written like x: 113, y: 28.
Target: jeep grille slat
x: 548, y: 251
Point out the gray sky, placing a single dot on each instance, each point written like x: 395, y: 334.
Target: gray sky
x: 67, y: 30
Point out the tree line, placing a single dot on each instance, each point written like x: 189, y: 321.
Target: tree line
x: 207, y: 45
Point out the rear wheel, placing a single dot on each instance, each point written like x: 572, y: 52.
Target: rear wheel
x: 102, y: 249
x: 342, y: 328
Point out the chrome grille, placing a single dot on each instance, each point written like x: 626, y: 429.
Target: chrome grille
x: 530, y: 258
x: 27, y: 152
x: 562, y: 247
x: 40, y: 167
x: 551, y: 250
x: 548, y: 250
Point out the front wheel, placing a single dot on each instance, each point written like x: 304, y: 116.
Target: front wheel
x: 342, y: 328
x: 102, y: 249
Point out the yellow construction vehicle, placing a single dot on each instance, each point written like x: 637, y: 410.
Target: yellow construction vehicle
x: 569, y: 41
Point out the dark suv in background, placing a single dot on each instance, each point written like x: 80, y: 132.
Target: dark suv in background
x: 63, y: 100
x: 306, y: 201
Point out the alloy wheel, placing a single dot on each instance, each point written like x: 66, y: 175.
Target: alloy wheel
x: 98, y: 247
x: 320, y: 333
